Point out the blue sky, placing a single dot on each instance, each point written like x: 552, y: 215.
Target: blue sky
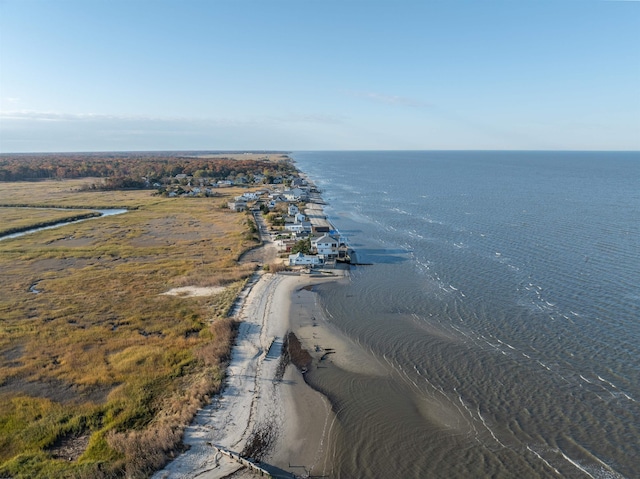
x: 98, y: 75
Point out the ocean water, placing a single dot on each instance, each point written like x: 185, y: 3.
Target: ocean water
x: 501, y: 310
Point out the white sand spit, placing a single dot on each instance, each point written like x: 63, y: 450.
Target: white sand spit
x: 194, y: 291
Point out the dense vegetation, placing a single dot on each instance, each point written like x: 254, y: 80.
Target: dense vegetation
x: 302, y: 246
x: 100, y: 371
x: 135, y: 170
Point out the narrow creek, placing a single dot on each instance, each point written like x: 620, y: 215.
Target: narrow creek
x: 103, y: 213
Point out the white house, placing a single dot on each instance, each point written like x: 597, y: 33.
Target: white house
x: 299, y: 218
x: 250, y: 196
x: 295, y: 194
x: 294, y: 227
x: 325, y: 246
x: 238, y: 205
x: 303, y: 259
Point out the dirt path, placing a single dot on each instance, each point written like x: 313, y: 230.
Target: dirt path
x: 267, y: 253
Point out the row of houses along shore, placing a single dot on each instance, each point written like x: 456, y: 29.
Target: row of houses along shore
x: 299, y: 227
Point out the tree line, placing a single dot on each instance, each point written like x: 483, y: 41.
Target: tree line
x: 133, y: 169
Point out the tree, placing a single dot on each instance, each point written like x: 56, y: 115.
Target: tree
x: 302, y: 246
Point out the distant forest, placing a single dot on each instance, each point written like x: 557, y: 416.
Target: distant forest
x: 135, y: 170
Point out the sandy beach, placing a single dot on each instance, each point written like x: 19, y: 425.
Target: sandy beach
x: 288, y: 420
x: 266, y: 411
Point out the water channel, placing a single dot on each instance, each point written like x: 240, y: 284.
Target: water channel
x: 103, y: 213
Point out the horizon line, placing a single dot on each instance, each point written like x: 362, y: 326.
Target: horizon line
x: 289, y: 151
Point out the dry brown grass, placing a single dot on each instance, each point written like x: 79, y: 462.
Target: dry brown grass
x: 67, y: 193
x: 15, y: 219
x: 277, y: 267
x: 98, y: 350
x: 148, y: 449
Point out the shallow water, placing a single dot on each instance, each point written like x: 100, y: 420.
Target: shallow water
x: 503, y: 308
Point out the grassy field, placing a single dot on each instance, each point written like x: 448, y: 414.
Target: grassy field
x: 100, y: 371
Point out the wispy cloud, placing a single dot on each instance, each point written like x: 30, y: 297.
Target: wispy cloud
x: 323, y: 118
x: 391, y: 99
x: 49, y: 116
x: 60, y: 116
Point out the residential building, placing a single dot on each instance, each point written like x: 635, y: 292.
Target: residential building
x: 301, y: 259
x: 239, y: 204
x: 325, y: 246
x: 298, y: 182
x: 293, y: 210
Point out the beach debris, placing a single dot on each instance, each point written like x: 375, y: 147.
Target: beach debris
x: 299, y: 356
x: 260, y: 441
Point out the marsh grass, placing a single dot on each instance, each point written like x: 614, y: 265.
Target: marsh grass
x: 90, y: 347
x: 68, y: 193
x: 13, y: 220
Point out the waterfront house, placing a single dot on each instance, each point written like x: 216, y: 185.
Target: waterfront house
x: 321, y: 229
x: 298, y: 183
x: 295, y: 194
x: 301, y: 259
x: 325, y: 246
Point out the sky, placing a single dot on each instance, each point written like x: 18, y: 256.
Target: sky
x: 114, y: 75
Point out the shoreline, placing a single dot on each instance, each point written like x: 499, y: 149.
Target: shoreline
x: 265, y: 410
x: 297, y: 417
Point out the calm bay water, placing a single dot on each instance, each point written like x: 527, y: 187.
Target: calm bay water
x: 502, y: 310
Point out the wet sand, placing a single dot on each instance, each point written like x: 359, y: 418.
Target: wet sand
x: 299, y: 419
